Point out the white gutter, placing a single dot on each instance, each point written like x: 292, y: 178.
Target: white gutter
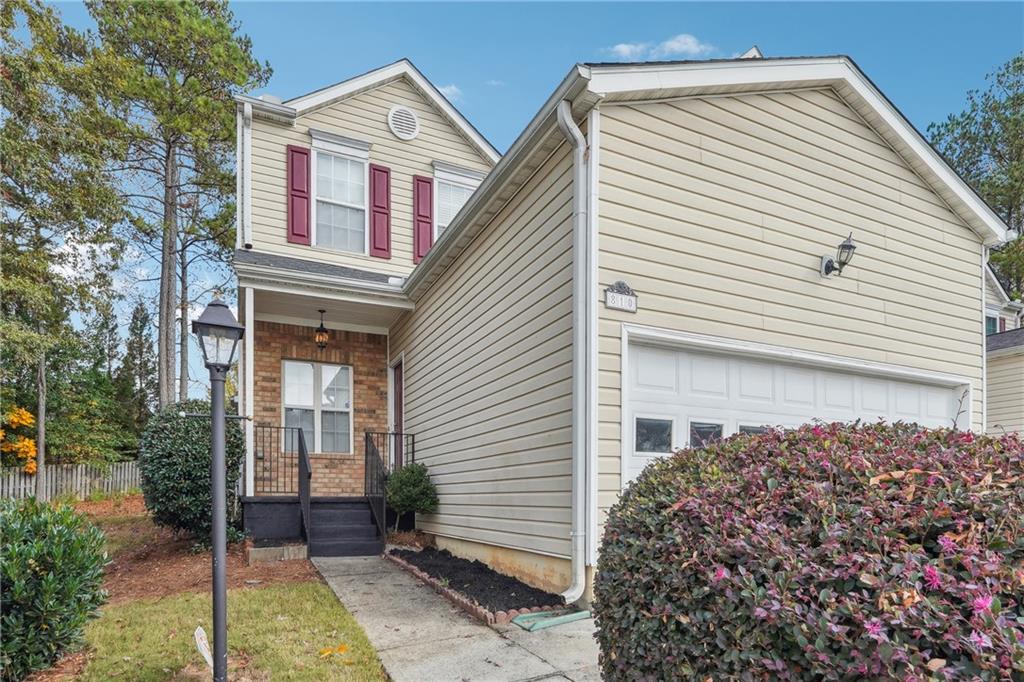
x: 578, y: 534
x: 246, y: 198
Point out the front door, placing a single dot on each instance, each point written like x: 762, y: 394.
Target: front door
x: 399, y: 411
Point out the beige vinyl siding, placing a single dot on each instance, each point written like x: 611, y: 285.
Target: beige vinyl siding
x: 1006, y: 392
x: 362, y: 117
x: 487, y: 365
x: 718, y: 210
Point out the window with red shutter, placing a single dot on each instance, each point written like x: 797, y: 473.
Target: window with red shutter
x: 298, y: 194
x: 380, y: 211
x: 422, y: 216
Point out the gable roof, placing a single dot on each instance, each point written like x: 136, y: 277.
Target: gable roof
x: 588, y: 84
x: 403, y: 68
x: 1004, y: 298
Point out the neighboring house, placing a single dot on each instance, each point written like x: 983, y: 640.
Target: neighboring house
x: 1004, y: 370
x: 1001, y: 312
x: 640, y: 272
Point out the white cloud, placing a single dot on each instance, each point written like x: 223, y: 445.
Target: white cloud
x: 451, y: 91
x: 681, y: 45
x: 494, y: 82
x: 629, y: 50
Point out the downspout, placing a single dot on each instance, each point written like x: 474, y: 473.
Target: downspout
x: 579, y: 356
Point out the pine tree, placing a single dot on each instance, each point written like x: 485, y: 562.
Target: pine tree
x: 136, y: 379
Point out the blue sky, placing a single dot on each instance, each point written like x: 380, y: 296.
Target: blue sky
x: 505, y: 59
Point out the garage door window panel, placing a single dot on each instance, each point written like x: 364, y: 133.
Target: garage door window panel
x: 653, y: 435
x: 704, y: 431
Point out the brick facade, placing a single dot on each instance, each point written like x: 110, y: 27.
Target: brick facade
x: 333, y: 474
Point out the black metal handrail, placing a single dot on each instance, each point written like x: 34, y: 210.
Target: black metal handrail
x: 305, y: 475
x: 374, y: 480
x: 395, y: 449
x: 276, y: 459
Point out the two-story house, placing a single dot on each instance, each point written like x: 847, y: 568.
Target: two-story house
x: 668, y: 253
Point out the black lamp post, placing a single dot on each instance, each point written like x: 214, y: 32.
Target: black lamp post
x: 219, y: 333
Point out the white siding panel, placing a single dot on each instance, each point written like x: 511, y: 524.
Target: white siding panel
x: 1005, y: 393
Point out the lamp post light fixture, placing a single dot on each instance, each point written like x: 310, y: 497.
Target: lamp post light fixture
x: 219, y: 334
x: 321, y: 335
x: 844, y: 254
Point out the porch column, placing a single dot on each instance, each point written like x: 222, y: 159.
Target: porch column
x: 248, y: 398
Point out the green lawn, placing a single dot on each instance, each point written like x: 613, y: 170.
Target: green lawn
x: 277, y: 633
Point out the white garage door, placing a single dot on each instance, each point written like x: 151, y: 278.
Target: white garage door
x: 683, y: 398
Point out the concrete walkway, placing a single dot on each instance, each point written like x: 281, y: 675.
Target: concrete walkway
x: 421, y: 637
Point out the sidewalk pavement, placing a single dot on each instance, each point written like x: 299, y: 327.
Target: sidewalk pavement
x: 421, y: 637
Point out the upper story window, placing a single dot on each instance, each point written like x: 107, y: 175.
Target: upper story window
x: 339, y: 207
x: 340, y: 203
x: 991, y: 324
x: 453, y: 186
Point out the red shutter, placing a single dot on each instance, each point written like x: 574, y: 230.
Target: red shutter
x: 1002, y: 324
x: 422, y: 216
x: 298, y: 195
x: 380, y: 211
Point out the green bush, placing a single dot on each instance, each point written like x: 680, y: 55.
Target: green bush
x: 830, y: 552
x: 51, y: 576
x: 409, y: 490
x: 174, y: 460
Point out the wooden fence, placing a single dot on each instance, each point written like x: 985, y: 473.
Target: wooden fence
x: 72, y: 480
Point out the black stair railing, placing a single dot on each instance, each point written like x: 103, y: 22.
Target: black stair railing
x: 375, y: 478
x: 276, y: 459
x: 305, y: 476
x: 395, y: 449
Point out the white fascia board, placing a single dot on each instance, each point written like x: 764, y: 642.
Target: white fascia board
x: 288, y: 281
x: 388, y: 73
x: 626, y: 78
x: 277, y: 112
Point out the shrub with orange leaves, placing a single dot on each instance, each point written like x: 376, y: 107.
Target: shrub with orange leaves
x: 20, y: 448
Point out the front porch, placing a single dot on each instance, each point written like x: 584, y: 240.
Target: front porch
x: 322, y: 416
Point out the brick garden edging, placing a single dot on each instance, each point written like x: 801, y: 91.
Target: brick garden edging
x: 466, y: 604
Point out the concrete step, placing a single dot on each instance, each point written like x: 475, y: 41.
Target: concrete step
x: 346, y: 547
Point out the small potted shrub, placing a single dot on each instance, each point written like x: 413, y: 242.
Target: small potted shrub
x: 829, y: 552
x: 51, y: 577
x: 410, y: 490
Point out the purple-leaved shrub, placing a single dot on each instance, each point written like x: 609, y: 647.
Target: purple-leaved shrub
x: 827, y: 552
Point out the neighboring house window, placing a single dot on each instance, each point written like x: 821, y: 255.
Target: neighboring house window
x: 453, y: 186
x: 318, y: 399
x: 991, y: 324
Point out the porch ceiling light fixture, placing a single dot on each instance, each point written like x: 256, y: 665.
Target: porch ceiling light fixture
x: 219, y: 333
x: 844, y: 254
x: 321, y: 335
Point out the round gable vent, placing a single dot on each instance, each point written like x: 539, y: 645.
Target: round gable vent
x: 403, y: 123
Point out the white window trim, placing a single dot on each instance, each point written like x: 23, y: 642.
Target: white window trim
x: 353, y: 150
x: 317, y: 408
x: 673, y: 437
x: 453, y: 175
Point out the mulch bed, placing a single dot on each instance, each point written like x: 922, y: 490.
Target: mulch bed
x: 499, y: 598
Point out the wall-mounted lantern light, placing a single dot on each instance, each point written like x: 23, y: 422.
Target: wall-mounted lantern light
x: 321, y: 335
x: 844, y: 255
